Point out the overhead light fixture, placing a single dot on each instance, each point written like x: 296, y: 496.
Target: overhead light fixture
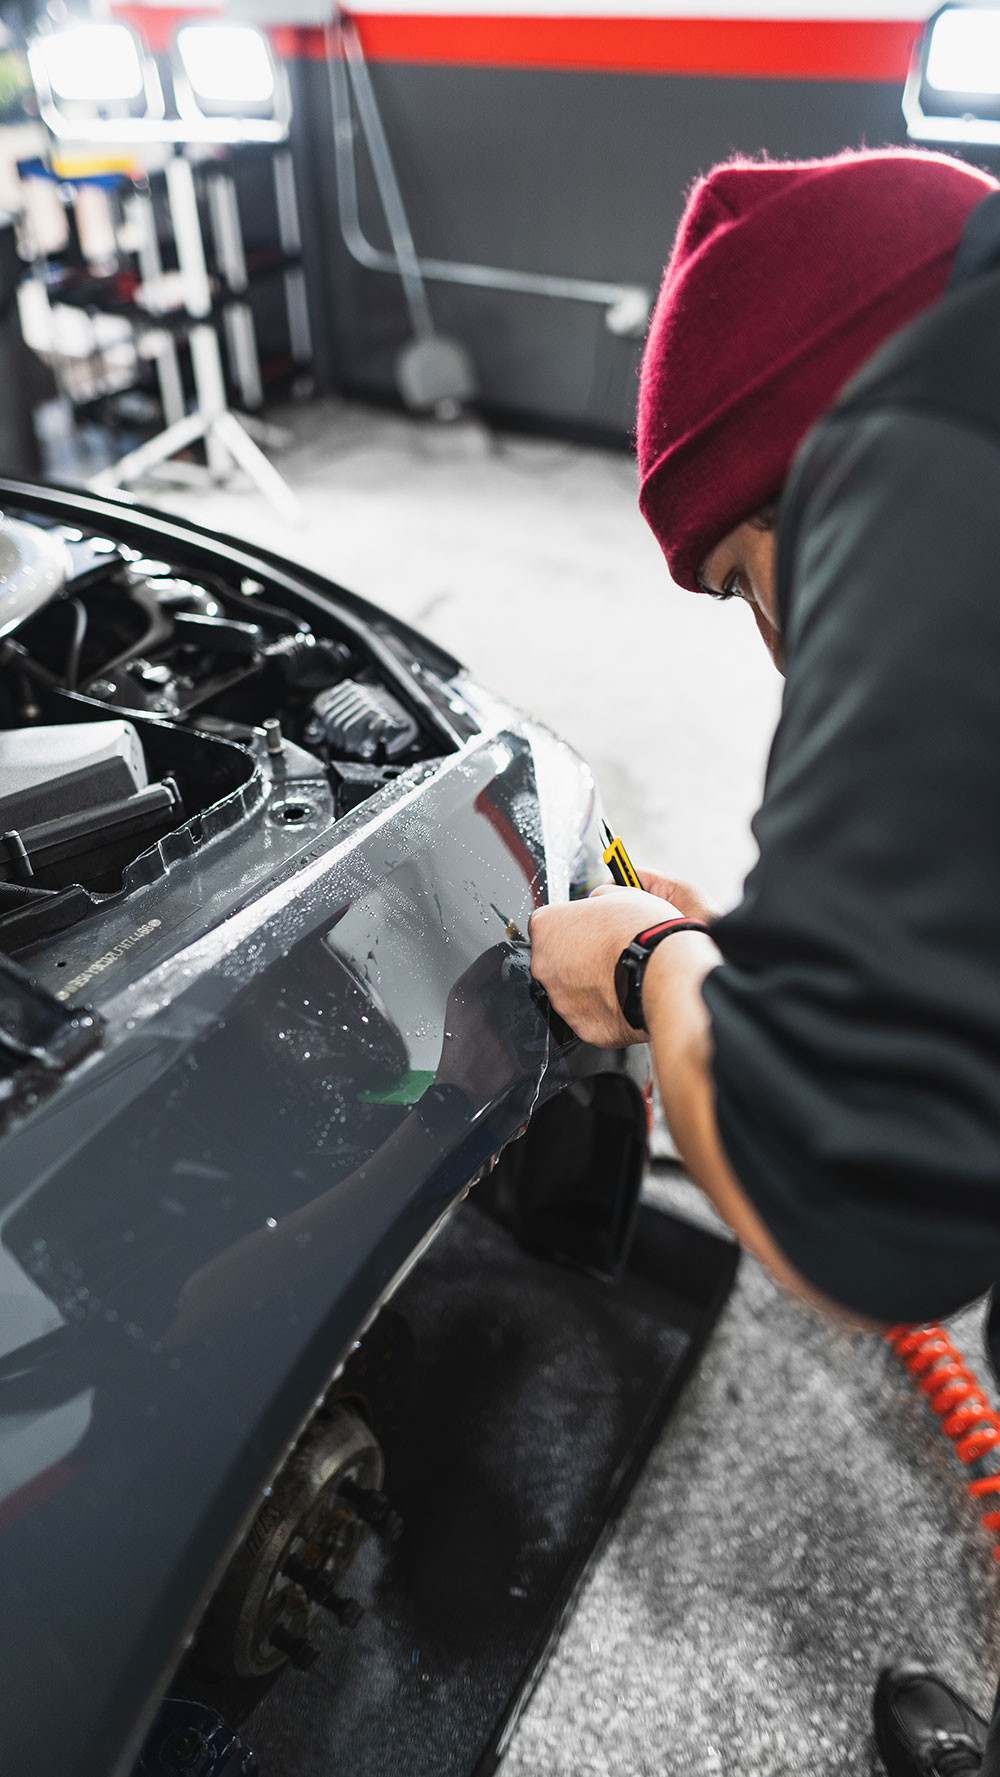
x: 964, y: 51
x: 96, y: 62
x: 98, y: 83
x: 225, y: 71
x: 98, y: 70
x: 953, y: 87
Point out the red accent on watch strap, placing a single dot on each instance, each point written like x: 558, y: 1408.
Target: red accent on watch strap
x: 671, y: 925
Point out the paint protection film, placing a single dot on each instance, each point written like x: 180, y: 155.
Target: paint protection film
x: 198, y: 1226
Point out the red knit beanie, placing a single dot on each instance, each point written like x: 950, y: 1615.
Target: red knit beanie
x: 784, y: 278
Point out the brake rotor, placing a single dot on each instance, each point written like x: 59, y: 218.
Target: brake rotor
x: 292, y: 1559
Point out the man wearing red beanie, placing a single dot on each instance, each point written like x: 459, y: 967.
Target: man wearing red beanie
x: 819, y: 436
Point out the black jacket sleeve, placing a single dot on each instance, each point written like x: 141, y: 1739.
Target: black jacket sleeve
x: 856, y: 1015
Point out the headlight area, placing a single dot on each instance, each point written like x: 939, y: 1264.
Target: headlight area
x: 569, y: 1188
x: 588, y: 869
x: 571, y: 817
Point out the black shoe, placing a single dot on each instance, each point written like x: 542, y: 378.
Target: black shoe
x: 925, y: 1729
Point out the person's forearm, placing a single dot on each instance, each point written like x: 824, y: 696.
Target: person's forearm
x: 574, y: 949
x: 680, y: 1037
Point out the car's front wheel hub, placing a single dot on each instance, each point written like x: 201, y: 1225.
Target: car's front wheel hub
x: 289, y: 1566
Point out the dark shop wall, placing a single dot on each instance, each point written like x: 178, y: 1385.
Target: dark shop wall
x: 579, y: 174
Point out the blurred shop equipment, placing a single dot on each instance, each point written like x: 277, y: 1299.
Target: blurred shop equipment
x: 952, y: 92
x: 18, y: 445
x: 104, y: 102
x: 22, y: 378
x: 433, y: 373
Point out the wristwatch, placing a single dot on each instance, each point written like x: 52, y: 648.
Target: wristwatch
x: 631, y: 965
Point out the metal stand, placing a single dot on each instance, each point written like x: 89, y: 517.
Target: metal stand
x: 226, y: 439
x: 139, y: 210
x: 434, y: 373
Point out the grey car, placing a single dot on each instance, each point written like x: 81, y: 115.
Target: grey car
x: 267, y: 861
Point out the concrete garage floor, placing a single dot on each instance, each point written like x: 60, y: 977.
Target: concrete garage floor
x: 800, y: 1521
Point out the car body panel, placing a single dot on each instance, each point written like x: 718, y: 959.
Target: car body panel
x: 305, y: 1058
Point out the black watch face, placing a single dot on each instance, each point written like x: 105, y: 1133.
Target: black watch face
x: 633, y: 1008
x: 628, y: 985
x: 622, y: 982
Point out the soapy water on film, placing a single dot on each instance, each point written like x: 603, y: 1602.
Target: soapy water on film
x: 542, y: 1074
x: 542, y: 1071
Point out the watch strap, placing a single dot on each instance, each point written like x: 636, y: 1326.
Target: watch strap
x: 650, y: 938
x: 631, y: 965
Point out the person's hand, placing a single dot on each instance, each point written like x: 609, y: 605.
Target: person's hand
x: 574, y: 950
x: 679, y: 894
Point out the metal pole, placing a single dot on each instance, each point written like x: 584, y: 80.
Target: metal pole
x: 206, y: 359
x: 627, y: 305
x: 237, y: 319
x: 407, y: 264
x: 139, y: 209
x: 290, y: 233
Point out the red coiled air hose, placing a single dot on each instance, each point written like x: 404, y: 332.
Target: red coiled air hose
x: 954, y: 1394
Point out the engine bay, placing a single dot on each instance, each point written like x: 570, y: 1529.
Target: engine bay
x: 145, y: 708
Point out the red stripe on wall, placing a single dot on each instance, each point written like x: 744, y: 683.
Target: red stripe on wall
x: 777, y: 49
x: 156, y: 25
x: 732, y: 48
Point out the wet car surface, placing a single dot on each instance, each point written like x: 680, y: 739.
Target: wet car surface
x: 264, y: 1018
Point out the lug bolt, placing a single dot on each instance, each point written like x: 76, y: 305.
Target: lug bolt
x: 373, y: 1508
x: 183, y: 1747
x: 347, y: 1611
x: 300, y: 1651
x: 323, y: 1592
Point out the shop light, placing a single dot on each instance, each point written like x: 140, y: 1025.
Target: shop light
x: 98, y: 83
x: 227, y: 68
x: 90, y: 65
x: 963, y: 55
x: 953, y: 89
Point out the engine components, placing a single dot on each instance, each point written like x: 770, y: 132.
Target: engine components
x: 291, y: 1562
x: 72, y: 796
x: 49, y: 772
x: 34, y: 564
x: 361, y: 722
x: 133, y: 703
x: 75, y: 846
x: 307, y: 662
x: 140, y: 638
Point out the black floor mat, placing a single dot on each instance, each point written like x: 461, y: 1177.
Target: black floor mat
x: 536, y: 1395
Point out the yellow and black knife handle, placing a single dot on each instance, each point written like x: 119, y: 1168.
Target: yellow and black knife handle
x: 619, y: 862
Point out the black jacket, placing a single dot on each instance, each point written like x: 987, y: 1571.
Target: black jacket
x: 857, y: 1013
